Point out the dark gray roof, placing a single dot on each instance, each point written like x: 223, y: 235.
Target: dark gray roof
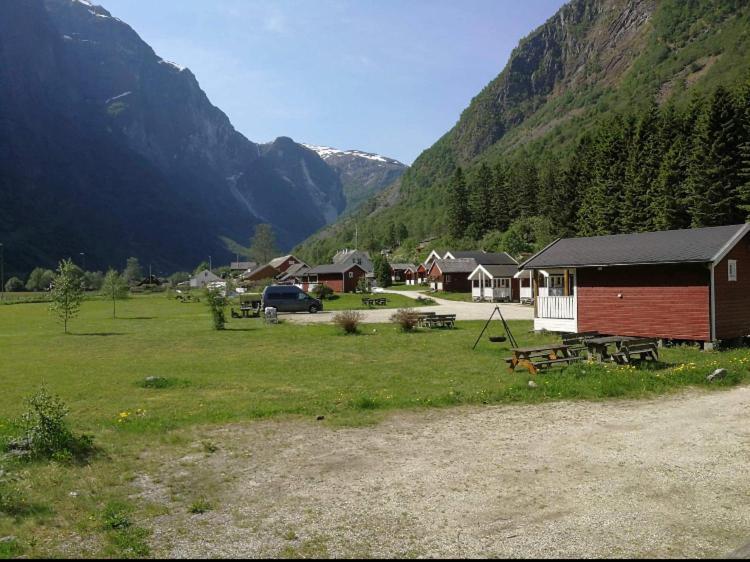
x: 332, y: 268
x: 698, y: 245
x: 402, y: 266
x: 457, y: 266
x: 486, y: 258
x: 294, y: 270
x: 501, y: 270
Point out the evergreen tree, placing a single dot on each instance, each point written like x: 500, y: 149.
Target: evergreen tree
x: 133, y: 272
x: 714, y: 170
x: 548, y: 202
x: 499, y: 204
x: 458, y: 207
x: 480, y: 202
x: 522, y: 188
x: 114, y: 287
x: 67, y: 292
x: 743, y: 108
x: 382, y: 270
x: 263, y: 244
x: 642, y: 168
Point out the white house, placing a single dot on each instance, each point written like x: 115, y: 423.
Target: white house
x: 494, y: 283
x: 204, y: 278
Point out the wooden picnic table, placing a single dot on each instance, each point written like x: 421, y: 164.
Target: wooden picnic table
x: 374, y: 301
x: 598, y: 348
x: 532, y: 358
x: 439, y: 320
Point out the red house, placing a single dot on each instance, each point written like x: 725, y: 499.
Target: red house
x: 451, y: 275
x: 677, y: 284
x: 340, y: 277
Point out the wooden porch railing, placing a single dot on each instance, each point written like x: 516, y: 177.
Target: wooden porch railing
x: 556, y: 307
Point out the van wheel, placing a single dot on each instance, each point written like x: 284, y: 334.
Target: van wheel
x: 313, y: 309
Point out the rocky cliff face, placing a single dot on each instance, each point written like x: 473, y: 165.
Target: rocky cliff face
x: 362, y: 174
x: 128, y: 154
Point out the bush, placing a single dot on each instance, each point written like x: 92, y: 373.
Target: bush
x: 348, y: 320
x: 45, y: 432
x: 216, y: 304
x: 322, y: 291
x: 14, y: 285
x: 406, y: 318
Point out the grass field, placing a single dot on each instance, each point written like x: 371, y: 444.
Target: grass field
x: 403, y: 287
x: 249, y: 371
x: 463, y: 297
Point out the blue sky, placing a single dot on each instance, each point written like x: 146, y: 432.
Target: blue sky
x: 385, y: 76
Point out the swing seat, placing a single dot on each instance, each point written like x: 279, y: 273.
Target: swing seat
x: 498, y: 339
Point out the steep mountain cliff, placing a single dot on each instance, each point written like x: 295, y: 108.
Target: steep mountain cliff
x: 107, y: 149
x: 592, y: 60
x: 362, y: 174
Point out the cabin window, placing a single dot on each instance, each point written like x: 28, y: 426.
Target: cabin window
x: 447, y: 278
x: 503, y: 283
x: 312, y: 279
x: 475, y: 283
x: 351, y: 275
x: 732, y: 269
x: 488, y: 282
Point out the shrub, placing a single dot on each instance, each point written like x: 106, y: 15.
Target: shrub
x: 14, y: 285
x: 322, y: 291
x: 199, y: 506
x: 348, y: 320
x: 11, y: 501
x: 161, y: 382
x: 406, y: 318
x: 45, y: 432
x: 216, y: 304
x: 363, y: 286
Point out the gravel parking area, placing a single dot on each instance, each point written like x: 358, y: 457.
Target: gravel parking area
x: 462, y: 310
x: 656, y: 478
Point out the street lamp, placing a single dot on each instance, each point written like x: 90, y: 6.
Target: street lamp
x: 83, y: 261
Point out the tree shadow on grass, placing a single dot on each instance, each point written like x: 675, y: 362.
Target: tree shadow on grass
x: 136, y: 317
x: 101, y: 334
x: 240, y: 329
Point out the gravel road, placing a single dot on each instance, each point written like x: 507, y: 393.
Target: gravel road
x: 462, y: 310
x: 656, y: 478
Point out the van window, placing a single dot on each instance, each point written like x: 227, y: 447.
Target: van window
x: 301, y: 296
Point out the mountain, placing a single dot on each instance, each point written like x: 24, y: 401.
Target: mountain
x: 107, y: 149
x: 593, y: 61
x: 362, y: 174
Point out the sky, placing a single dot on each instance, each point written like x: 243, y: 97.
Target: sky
x: 383, y: 76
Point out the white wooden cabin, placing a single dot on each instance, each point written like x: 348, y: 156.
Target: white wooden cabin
x: 494, y: 283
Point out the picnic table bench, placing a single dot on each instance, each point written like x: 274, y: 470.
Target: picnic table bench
x: 627, y: 348
x: 440, y: 321
x: 423, y: 316
x: 534, y: 358
x: 577, y: 341
x: 370, y: 301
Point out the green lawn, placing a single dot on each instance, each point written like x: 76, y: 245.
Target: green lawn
x: 403, y: 287
x: 463, y: 297
x: 249, y: 371
x: 351, y: 301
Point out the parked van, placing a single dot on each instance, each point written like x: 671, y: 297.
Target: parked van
x: 288, y: 298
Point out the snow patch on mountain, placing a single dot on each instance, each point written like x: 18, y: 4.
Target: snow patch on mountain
x: 326, y: 152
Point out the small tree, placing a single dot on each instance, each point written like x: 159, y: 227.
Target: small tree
x: 322, y: 291
x: 114, y: 287
x: 216, y: 304
x: 382, y: 271
x: 406, y: 318
x: 348, y: 320
x: 67, y: 292
x: 14, y: 285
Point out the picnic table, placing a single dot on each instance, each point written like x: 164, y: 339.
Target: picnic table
x: 440, y: 321
x: 370, y: 301
x: 534, y: 358
x: 423, y: 316
x: 626, y: 348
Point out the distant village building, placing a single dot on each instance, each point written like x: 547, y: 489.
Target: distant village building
x: 340, y: 277
x: 354, y: 257
x: 203, y: 278
x: 236, y: 267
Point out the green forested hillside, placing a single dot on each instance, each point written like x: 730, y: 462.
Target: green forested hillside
x: 615, y: 115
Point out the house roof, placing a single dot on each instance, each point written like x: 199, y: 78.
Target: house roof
x: 496, y: 270
x: 402, y: 266
x: 206, y: 275
x: 333, y: 268
x: 294, y: 270
x: 276, y: 262
x: 272, y: 271
x: 485, y: 258
x: 343, y: 255
x: 456, y: 266
x: 697, y: 245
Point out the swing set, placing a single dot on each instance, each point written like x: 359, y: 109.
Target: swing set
x: 497, y: 339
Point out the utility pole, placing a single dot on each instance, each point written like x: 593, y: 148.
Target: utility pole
x: 356, y: 237
x: 83, y: 261
x: 210, y: 267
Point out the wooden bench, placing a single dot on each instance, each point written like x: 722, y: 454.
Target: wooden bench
x: 422, y: 318
x: 440, y: 320
x: 535, y: 358
x: 637, y: 349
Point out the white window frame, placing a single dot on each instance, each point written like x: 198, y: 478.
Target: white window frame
x: 732, y: 270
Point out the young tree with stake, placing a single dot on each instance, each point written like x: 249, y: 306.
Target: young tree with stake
x: 115, y: 288
x: 67, y: 292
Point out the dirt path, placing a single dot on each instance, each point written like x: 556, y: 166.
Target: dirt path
x: 662, y: 478
x: 462, y: 310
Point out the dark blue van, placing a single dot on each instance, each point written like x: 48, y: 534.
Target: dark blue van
x: 289, y: 298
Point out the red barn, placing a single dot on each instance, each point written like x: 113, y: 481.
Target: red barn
x: 679, y: 284
x: 340, y: 277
